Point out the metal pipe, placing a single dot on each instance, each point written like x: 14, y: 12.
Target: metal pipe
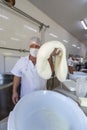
x: 20, y: 50
x: 24, y: 14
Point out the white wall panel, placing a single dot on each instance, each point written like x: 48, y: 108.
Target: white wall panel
x: 9, y: 63
x: 16, y: 30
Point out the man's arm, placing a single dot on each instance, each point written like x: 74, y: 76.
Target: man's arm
x: 16, y: 83
x: 51, y: 64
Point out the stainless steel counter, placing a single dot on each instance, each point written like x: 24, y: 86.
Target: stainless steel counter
x: 6, y: 104
x: 6, y: 85
x: 5, y: 79
x: 72, y: 95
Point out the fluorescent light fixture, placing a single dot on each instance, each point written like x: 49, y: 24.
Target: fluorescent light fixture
x: 15, y: 39
x: 73, y: 45
x: 1, y: 29
x: 65, y: 41
x: 3, y: 16
x: 78, y: 47
x: 84, y: 24
x: 53, y: 35
x: 30, y: 28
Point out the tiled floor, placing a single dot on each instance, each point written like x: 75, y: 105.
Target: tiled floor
x: 3, y: 124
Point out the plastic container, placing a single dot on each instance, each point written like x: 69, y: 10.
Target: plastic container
x: 81, y: 87
x: 47, y: 110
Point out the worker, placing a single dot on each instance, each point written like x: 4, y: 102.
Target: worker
x: 25, y: 73
x: 70, y: 64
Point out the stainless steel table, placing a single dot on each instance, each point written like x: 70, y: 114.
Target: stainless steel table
x: 72, y: 95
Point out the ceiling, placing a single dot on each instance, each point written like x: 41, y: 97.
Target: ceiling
x: 67, y: 13
x: 15, y: 30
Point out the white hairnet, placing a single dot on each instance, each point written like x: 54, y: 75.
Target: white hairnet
x: 35, y: 40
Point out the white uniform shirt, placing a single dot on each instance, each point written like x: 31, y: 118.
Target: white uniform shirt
x: 30, y: 80
x: 70, y: 62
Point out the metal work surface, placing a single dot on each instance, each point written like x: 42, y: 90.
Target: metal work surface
x: 6, y: 104
x: 72, y: 95
x: 5, y: 79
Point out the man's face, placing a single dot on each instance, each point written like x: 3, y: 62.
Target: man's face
x: 37, y: 46
x: 34, y: 49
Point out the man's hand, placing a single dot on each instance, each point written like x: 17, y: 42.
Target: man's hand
x: 15, y: 97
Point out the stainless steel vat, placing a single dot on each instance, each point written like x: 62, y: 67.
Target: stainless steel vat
x: 6, y: 105
x: 5, y: 79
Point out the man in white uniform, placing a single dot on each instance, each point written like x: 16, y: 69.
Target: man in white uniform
x: 25, y: 73
x: 70, y: 64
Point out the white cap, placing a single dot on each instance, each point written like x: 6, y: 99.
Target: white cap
x: 35, y: 40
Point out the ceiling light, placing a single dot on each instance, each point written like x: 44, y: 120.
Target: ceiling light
x: 53, y: 35
x: 1, y: 29
x: 3, y: 16
x: 30, y: 28
x: 78, y: 47
x: 15, y: 39
x: 65, y: 41
x: 84, y: 23
x: 73, y: 45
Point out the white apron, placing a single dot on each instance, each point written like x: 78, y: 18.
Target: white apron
x: 30, y: 80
